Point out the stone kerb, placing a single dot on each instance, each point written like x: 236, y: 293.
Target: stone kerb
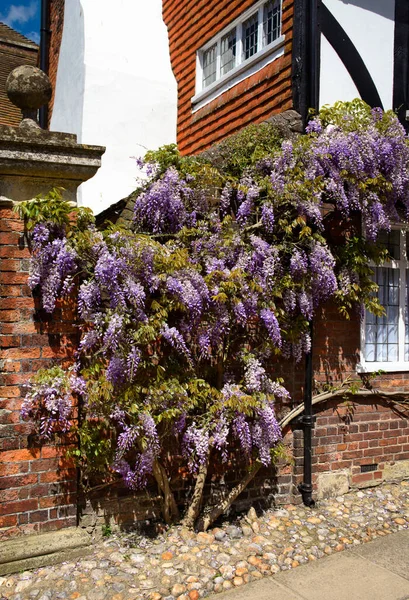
x: 37, y: 484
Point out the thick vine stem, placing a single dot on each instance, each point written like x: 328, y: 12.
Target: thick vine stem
x: 222, y: 506
x: 197, y: 499
x: 170, y: 509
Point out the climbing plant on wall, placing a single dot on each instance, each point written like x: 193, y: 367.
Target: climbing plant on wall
x: 184, y: 315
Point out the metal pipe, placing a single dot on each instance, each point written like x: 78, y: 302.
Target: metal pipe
x: 307, y: 422
x: 44, y: 50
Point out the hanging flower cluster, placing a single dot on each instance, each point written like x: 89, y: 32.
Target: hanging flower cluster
x: 49, y: 400
x: 184, y: 316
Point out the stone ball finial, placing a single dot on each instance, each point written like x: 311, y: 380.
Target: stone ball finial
x: 28, y: 88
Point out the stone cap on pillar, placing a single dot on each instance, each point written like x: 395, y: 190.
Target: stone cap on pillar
x: 33, y: 160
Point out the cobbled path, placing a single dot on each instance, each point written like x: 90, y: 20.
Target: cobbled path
x: 182, y: 565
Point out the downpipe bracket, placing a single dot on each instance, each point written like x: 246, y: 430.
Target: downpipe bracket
x: 305, y: 490
x: 305, y: 421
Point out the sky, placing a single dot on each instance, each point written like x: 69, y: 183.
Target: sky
x: 23, y: 16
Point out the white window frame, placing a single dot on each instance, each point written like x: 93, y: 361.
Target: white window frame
x: 402, y: 265
x: 243, y: 68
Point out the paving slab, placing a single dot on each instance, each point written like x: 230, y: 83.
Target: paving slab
x: 391, y: 552
x: 345, y: 576
x: 264, y: 589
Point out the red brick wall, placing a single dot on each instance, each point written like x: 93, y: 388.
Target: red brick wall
x: 56, y: 18
x: 355, y: 432
x: 191, y: 23
x: 37, y: 483
x: 349, y: 432
x: 336, y: 346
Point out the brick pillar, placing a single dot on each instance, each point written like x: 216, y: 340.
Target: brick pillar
x: 37, y: 482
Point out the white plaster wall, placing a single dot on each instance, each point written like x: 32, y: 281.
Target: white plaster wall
x: 336, y: 83
x: 126, y: 99
x: 70, y: 84
x: 370, y: 25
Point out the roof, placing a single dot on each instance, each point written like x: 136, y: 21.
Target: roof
x: 11, y: 36
x: 15, y: 50
x: 288, y: 124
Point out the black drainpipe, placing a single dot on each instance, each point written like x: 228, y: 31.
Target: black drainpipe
x: 307, y: 420
x: 44, y: 48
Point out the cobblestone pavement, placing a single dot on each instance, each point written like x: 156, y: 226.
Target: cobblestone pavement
x: 183, y: 565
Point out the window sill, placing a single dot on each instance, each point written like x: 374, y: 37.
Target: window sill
x: 388, y: 367
x: 239, y: 73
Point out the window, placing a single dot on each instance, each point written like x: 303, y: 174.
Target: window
x: 250, y: 36
x: 247, y: 43
x: 385, y: 340
x: 271, y: 22
x: 228, y: 52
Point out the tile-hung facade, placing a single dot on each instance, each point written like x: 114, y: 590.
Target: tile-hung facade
x: 238, y: 63
x: 232, y: 63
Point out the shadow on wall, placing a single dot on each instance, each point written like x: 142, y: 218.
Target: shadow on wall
x: 68, y: 107
x: 381, y: 7
x: 336, y: 346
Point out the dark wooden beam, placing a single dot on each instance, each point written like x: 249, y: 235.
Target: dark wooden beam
x: 401, y: 61
x: 353, y: 62
x: 306, y: 57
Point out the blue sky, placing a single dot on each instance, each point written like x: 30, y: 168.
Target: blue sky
x: 23, y: 16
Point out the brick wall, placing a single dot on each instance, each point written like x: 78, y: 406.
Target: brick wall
x: 191, y: 24
x: 353, y: 433
x: 37, y: 483
x: 56, y: 19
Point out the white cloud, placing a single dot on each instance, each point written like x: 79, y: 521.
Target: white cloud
x: 33, y: 35
x: 20, y: 13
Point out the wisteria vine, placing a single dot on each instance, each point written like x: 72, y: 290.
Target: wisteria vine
x: 184, y: 316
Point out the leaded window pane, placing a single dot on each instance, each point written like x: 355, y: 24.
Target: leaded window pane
x: 382, y: 333
x: 250, y: 34
x: 228, y: 52
x: 391, y: 240
x: 271, y: 21
x: 209, y: 65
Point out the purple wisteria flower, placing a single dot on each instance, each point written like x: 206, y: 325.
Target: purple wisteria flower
x: 242, y: 432
x: 162, y: 208
x: 195, y: 446
x: 49, y: 403
x: 114, y: 332
x: 117, y: 371
x: 50, y: 266
x: 176, y: 340
x: 247, y: 193
x: 270, y: 321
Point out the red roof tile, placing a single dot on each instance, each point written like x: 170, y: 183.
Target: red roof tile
x: 7, y: 34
